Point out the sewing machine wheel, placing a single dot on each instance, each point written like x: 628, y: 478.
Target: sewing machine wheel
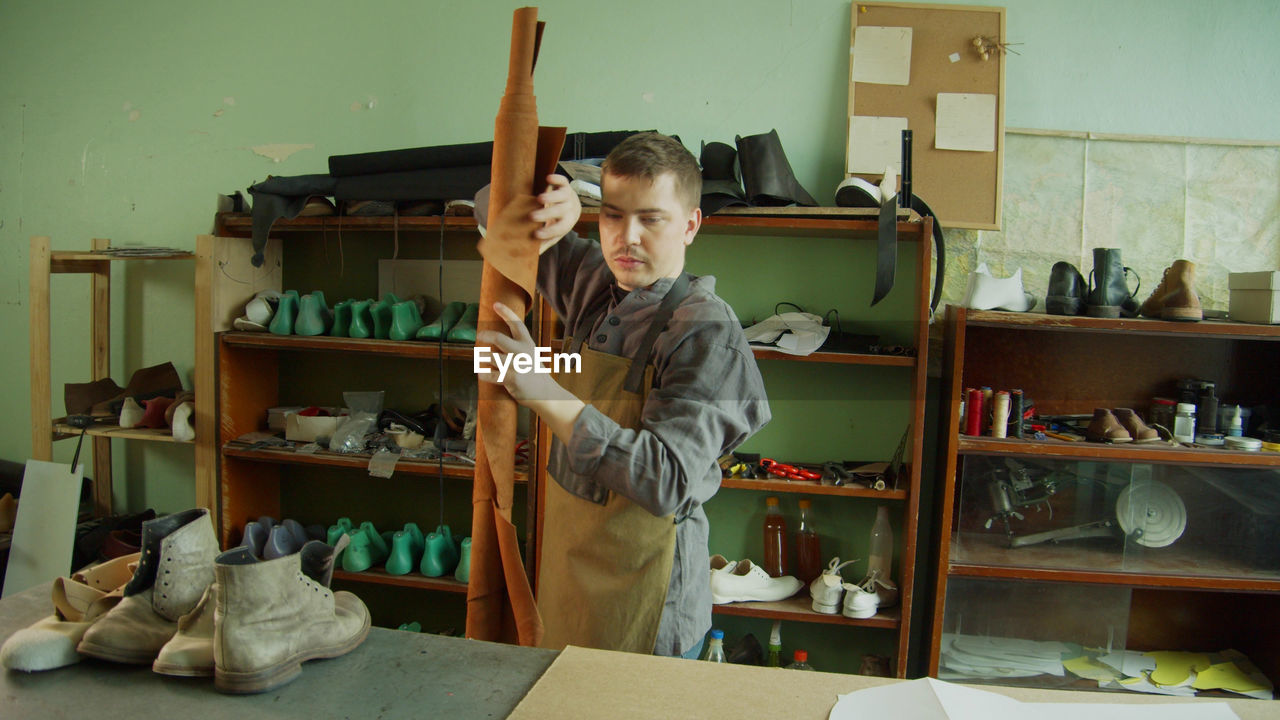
x: 1151, y: 513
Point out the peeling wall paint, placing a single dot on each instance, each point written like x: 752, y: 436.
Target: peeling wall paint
x: 279, y: 152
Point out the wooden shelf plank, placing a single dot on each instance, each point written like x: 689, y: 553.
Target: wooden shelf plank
x: 378, y: 576
x: 836, y: 358
x: 1128, y: 452
x: 360, y: 462
x: 1141, y: 326
x: 1186, y: 565
x: 161, y: 254
x: 321, y: 343
x: 799, y: 609
x: 811, y: 488
x: 63, y: 431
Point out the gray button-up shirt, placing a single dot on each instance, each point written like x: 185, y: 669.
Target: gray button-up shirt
x: 707, y: 399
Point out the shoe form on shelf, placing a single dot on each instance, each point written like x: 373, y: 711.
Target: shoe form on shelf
x: 419, y: 539
x: 1138, y: 431
x: 280, y: 542
x: 463, y: 573
x: 358, y: 555
x: 987, y: 292
x: 314, y: 318
x: 78, y: 601
x: 296, y: 531
x: 154, y: 411
x: 405, y: 320
x: 183, y: 427
x: 828, y: 588
x: 377, y: 542
x: 439, y: 556
x: 254, y: 538
x: 361, y: 319
x: 1067, y: 290
x: 262, y: 308
x: 341, y: 319
x: 381, y: 312
x: 720, y: 563
x: 1106, y: 428
x: 175, y: 569
x: 402, y: 559
x: 267, y: 522
x: 335, y: 534
x: 130, y: 413
x: 273, y: 616
x: 286, y: 314
x: 464, y: 331
x: 749, y: 582
x: 1175, y: 298
x: 1109, y: 294
x: 415, y: 627
x: 439, y: 328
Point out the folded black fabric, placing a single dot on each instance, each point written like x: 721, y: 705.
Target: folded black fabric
x: 397, y: 161
x: 282, y: 197
x: 443, y: 183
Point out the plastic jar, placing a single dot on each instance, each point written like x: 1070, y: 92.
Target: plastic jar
x: 1184, y: 424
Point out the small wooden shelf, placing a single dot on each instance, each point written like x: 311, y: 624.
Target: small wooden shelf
x: 1134, y: 326
x: 326, y: 458
x: 836, y: 358
x: 377, y: 576
x: 1128, y: 452
x: 799, y: 609
x: 1181, y: 565
x: 322, y: 343
x: 804, y: 487
x: 64, y: 431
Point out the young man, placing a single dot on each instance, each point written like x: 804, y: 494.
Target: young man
x: 667, y: 385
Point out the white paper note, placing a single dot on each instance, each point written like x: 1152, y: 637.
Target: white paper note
x: 882, y: 55
x: 874, y: 144
x: 966, y: 121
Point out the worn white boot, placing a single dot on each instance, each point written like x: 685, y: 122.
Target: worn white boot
x: 272, y: 616
x: 175, y: 569
x: 190, y: 652
x: 78, y: 602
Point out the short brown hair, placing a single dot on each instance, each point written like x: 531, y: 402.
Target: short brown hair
x: 648, y: 155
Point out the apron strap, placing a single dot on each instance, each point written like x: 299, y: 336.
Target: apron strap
x: 586, y: 322
x: 675, y: 295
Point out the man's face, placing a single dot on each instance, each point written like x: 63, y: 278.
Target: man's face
x: 644, y: 229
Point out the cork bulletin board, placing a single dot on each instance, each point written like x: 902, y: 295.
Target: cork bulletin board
x: 962, y: 186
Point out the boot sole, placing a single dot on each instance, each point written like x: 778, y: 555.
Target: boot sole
x: 1104, y: 311
x: 1182, y: 314
x: 182, y: 670
x: 1063, y: 305
x: 245, y: 683
x: 103, y: 652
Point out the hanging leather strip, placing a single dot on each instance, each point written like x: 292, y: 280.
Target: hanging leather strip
x: 500, y: 604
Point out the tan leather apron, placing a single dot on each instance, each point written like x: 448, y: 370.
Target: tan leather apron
x: 605, y: 566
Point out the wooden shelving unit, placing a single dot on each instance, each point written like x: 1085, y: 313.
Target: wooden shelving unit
x: 797, y: 609
x: 44, y: 263
x: 1193, y: 593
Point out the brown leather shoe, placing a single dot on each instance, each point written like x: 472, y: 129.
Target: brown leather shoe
x: 1175, y: 298
x: 1132, y: 424
x: 1106, y: 428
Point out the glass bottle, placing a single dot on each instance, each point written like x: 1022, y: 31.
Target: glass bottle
x: 808, y: 554
x: 775, y: 539
x: 715, y: 649
x: 775, y: 645
x: 801, y: 661
x: 880, y: 556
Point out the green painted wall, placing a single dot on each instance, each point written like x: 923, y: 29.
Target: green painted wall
x: 123, y: 120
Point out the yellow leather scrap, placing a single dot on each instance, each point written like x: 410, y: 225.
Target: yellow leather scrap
x: 1174, y: 668
x: 1227, y: 676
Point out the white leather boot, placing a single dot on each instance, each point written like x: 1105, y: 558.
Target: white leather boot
x: 272, y: 616
x: 175, y: 569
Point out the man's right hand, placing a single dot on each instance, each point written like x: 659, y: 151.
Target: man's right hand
x: 559, y: 211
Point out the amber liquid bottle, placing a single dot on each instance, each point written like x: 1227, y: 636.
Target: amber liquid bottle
x: 808, y: 553
x: 775, y: 539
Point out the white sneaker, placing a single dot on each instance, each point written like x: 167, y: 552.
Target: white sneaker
x: 859, y: 603
x: 827, y: 589
x: 749, y: 582
x: 721, y: 564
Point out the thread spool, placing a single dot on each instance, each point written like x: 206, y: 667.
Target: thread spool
x: 1000, y: 415
x: 1017, y: 409
x: 973, y: 413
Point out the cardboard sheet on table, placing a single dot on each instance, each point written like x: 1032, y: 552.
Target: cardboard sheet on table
x: 966, y: 121
x: 881, y: 55
x: 874, y: 144
x: 45, y: 528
